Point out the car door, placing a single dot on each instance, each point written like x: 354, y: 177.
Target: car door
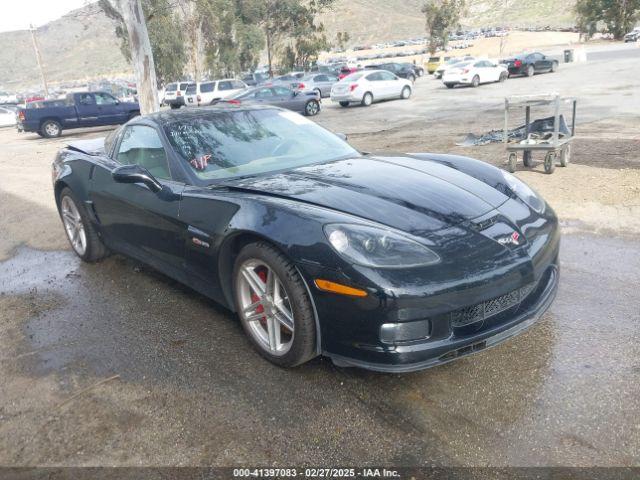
x: 321, y: 82
x: 109, y: 109
x: 87, y: 109
x: 391, y: 84
x: 286, y: 98
x: 132, y: 218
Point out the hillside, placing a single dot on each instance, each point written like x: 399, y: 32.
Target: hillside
x: 82, y: 44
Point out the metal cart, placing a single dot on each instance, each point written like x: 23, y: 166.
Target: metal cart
x: 553, y: 147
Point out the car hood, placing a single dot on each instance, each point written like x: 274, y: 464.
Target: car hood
x: 414, y: 195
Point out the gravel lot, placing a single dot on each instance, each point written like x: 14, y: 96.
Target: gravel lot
x: 115, y: 364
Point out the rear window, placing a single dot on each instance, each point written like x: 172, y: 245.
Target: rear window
x: 191, y: 90
x: 171, y: 87
x: 207, y: 87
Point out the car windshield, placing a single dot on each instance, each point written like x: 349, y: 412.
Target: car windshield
x: 224, y: 145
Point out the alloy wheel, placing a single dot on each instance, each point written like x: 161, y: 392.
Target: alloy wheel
x: 312, y: 108
x: 51, y: 129
x: 73, y: 225
x: 265, y: 307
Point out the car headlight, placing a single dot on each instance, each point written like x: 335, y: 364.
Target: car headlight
x: 378, y: 247
x: 524, y: 192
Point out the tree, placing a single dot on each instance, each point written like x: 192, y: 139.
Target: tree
x: 618, y: 16
x: 442, y: 16
x: 342, y: 38
x: 165, y: 36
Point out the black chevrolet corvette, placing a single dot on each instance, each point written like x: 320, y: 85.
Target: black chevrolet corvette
x: 392, y: 263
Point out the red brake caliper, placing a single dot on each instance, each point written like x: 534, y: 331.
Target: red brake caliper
x: 254, y: 298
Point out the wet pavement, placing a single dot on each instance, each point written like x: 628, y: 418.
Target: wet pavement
x: 190, y: 390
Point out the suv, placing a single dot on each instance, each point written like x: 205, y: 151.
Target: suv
x: 207, y: 93
x: 174, y: 94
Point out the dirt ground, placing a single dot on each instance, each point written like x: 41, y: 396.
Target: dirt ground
x: 114, y: 364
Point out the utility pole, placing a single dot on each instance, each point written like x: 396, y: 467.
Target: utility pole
x: 36, y: 47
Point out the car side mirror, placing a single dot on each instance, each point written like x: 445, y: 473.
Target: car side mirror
x: 136, y: 174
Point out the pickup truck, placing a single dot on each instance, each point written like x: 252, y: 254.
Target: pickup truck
x: 83, y: 109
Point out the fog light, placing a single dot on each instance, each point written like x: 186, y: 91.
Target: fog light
x: 405, y: 332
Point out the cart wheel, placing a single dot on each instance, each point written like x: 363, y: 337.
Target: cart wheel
x: 550, y: 162
x: 565, y: 156
x: 526, y: 159
x: 513, y: 160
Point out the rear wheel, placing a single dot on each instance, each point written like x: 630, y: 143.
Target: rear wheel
x: 406, y: 93
x: 344, y: 104
x: 274, y: 306
x: 312, y: 108
x: 51, y: 129
x: 475, y: 83
x: 512, y: 162
x: 367, y: 99
x: 530, y: 71
x: 80, y: 232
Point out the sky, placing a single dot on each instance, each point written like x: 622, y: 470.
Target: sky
x: 18, y: 14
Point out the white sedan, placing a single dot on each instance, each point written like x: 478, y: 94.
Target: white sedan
x: 366, y: 87
x: 474, y: 73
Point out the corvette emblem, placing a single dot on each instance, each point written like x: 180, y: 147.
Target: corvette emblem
x: 513, y: 239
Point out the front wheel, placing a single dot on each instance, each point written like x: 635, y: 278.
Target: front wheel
x: 406, y: 93
x: 274, y: 306
x: 530, y: 71
x: 51, y: 129
x: 312, y: 108
x: 367, y: 99
x: 80, y: 232
x: 475, y: 83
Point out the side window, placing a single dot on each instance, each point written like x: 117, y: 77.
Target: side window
x: 387, y: 76
x: 264, y: 93
x: 237, y: 84
x: 207, y: 87
x: 86, y: 99
x: 225, y: 85
x: 281, y: 91
x: 142, y: 146
x: 105, y: 99
x: 374, y: 77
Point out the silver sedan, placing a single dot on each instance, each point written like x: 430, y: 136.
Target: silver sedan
x: 318, y: 82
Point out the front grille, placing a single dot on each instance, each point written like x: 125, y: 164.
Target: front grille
x: 481, y: 311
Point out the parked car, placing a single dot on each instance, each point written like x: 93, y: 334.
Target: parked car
x: 8, y: 98
x: 174, y: 94
x: 7, y: 117
x: 417, y: 69
x: 452, y: 61
x: 207, y: 93
x: 391, y: 263
x: 434, y: 62
x: 306, y: 102
x: 82, y: 109
x: 402, y: 70
x: 474, y: 73
x: 633, y: 36
x: 319, y: 82
x: 530, y: 63
x: 255, y: 79
x: 367, y: 87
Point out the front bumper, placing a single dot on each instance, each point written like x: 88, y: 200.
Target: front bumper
x: 428, y: 354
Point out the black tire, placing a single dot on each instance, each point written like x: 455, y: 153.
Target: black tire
x: 565, y: 156
x: 367, y: 99
x: 475, y: 83
x: 95, y: 250
x: 344, y: 104
x: 312, y: 108
x: 512, y: 162
x: 530, y: 71
x: 406, y: 93
x: 450, y: 85
x: 51, y: 129
x: 550, y: 163
x: 303, y: 347
x: 526, y: 159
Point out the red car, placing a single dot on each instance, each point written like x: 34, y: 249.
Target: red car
x: 344, y: 71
